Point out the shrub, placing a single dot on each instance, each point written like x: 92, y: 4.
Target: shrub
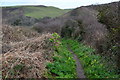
x: 39, y: 27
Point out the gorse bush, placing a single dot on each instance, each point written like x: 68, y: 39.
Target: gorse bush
x: 55, y: 40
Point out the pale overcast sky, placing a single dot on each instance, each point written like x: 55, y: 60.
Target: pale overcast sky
x: 63, y: 4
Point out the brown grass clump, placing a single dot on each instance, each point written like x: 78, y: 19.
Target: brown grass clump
x: 26, y: 57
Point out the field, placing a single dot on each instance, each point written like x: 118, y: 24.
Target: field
x: 40, y: 12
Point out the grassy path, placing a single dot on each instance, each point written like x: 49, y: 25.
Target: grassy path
x: 79, y: 69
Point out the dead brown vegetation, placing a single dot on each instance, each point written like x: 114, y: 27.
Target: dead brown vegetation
x: 27, y: 55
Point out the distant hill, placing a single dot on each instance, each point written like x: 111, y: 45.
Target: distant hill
x: 29, y: 15
x: 40, y: 11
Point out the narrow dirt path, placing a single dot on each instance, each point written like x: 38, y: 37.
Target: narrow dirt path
x: 79, y: 69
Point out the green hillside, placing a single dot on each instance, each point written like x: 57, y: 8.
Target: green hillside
x: 37, y: 11
x: 40, y: 12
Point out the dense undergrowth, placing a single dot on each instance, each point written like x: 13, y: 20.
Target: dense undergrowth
x: 63, y: 65
x: 108, y: 15
x: 92, y: 63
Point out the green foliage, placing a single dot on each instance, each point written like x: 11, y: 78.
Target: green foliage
x: 55, y: 38
x: 63, y: 65
x: 55, y: 35
x: 92, y: 64
x: 19, y: 67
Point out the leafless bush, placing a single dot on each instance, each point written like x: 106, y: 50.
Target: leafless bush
x: 39, y: 27
x: 54, y: 26
x: 49, y: 25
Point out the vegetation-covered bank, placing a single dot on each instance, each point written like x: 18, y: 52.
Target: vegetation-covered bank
x: 93, y: 64
x: 109, y: 16
x: 63, y: 65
